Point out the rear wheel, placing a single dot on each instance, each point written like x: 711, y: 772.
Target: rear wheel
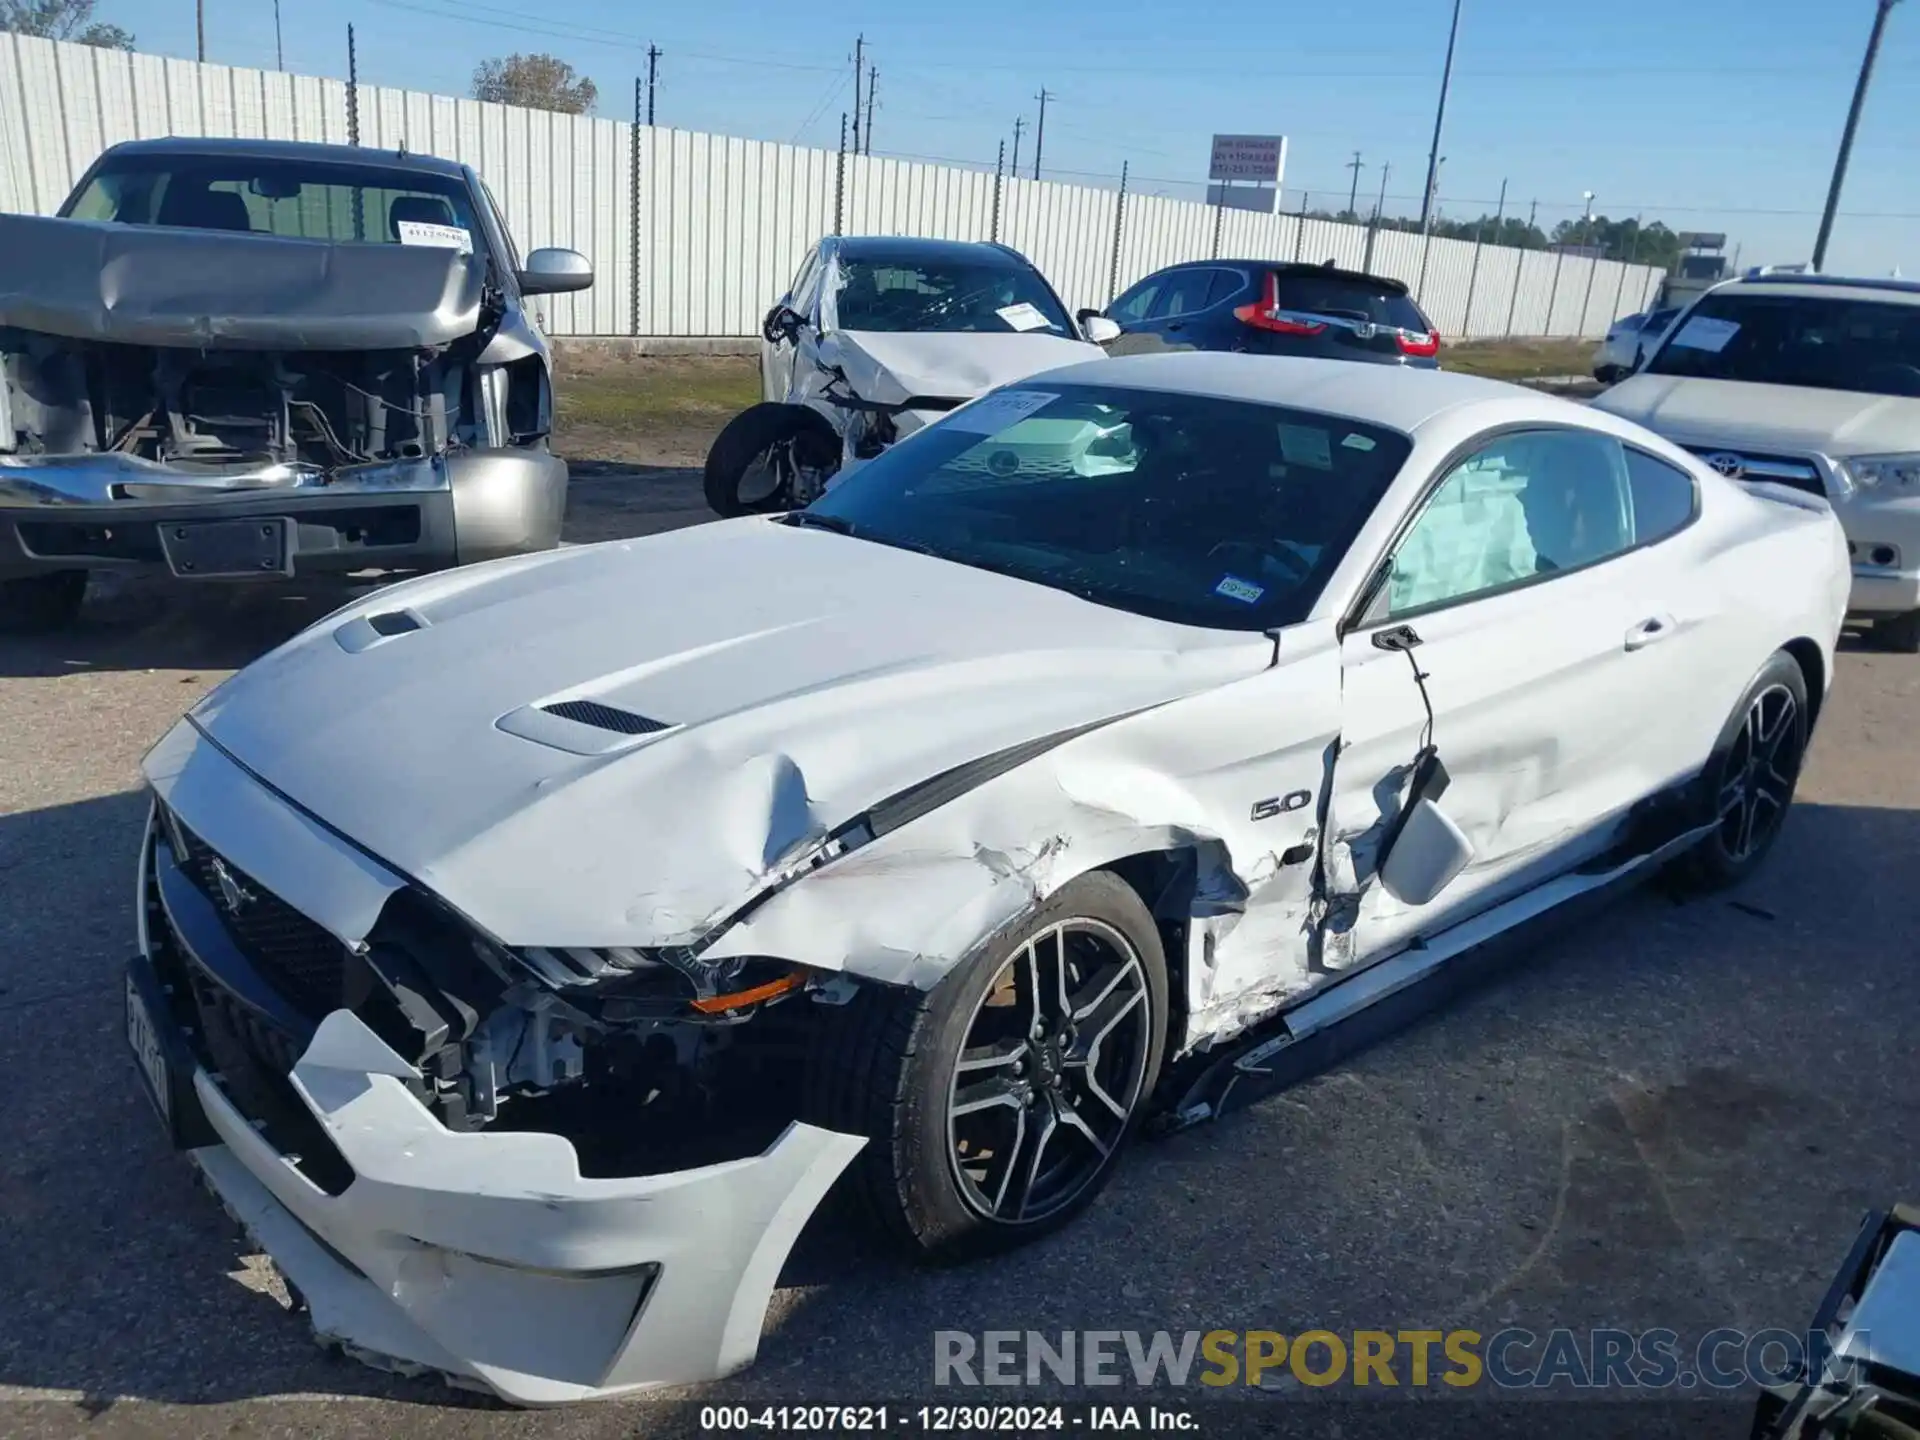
x: 1901, y: 633
x: 1751, y: 778
x: 34, y: 604
x: 997, y: 1104
x: 770, y: 457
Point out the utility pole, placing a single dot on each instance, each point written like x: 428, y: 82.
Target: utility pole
x: 653, y: 78
x: 1040, y: 131
x: 200, y: 27
x: 279, y: 51
x: 1019, y: 124
x: 1593, y: 266
x: 1439, y: 119
x: 873, y: 77
x: 1353, y: 191
x: 1379, y: 206
x: 859, y: 61
x: 1882, y: 9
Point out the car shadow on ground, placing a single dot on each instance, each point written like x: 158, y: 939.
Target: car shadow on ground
x: 1673, y: 1116
x: 140, y: 621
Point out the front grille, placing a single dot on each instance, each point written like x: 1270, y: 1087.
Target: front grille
x: 300, y: 959
x: 1791, y: 470
x: 605, y: 717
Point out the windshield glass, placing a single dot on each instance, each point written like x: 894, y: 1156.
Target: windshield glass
x: 298, y: 199
x: 1201, y: 511
x: 990, y: 297
x: 1829, y: 343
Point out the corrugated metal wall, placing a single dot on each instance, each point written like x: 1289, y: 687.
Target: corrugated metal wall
x: 723, y: 222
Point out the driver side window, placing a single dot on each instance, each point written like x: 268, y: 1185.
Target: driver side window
x: 1523, y: 507
x: 1131, y: 308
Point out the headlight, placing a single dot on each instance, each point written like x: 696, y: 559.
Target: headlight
x: 1883, y: 472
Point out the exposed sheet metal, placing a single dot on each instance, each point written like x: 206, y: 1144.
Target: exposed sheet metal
x: 158, y: 285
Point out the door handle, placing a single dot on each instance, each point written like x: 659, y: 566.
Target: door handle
x: 1650, y: 630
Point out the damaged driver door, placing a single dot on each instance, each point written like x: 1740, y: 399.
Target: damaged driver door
x: 1490, y: 670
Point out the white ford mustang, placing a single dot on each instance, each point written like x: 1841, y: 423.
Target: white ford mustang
x: 527, y: 949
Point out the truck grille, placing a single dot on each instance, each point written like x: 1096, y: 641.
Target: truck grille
x: 299, y: 958
x: 1790, y: 470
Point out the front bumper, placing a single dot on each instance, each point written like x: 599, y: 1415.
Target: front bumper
x: 483, y: 1256
x: 109, y: 511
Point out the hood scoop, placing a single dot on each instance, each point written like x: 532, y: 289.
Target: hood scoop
x: 363, y: 632
x: 605, y: 717
x: 581, y: 727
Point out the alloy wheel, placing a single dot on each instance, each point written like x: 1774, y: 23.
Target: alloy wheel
x: 1050, y: 1072
x: 1761, y: 768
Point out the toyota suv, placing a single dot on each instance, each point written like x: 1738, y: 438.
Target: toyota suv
x: 1811, y: 382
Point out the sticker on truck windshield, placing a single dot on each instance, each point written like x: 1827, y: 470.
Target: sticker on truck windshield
x: 1234, y: 588
x: 1703, y: 332
x: 991, y: 414
x: 422, y: 232
x: 1024, y: 317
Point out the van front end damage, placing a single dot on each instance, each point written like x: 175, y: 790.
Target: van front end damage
x: 552, y: 1192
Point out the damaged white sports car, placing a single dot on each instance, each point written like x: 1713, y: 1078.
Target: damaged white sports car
x: 526, y: 950
x: 876, y: 338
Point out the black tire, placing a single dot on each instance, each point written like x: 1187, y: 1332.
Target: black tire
x: 35, y: 604
x: 747, y: 438
x: 1900, y: 634
x: 888, y: 1066
x: 1748, y: 784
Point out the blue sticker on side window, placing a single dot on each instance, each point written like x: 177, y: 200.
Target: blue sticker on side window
x: 1234, y: 588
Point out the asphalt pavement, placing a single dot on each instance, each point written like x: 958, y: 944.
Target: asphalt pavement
x: 1674, y: 1116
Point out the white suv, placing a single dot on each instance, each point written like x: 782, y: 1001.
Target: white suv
x: 1813, y: 382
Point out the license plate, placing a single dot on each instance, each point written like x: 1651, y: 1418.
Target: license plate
x: 213, y: 549
x: 147, y: 1054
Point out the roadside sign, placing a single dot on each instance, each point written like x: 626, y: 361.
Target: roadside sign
x: 1247, y: 157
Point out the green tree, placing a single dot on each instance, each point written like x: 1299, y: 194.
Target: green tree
x: 62, y: 20
x: 539, y: 82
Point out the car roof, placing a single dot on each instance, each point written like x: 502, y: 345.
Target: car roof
x: 1287, y: 267
x: 1828, y: 287
x: 912, y: 249
x: 291, y: 150
x: 1399, y: 397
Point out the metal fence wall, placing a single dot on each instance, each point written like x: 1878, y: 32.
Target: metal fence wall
x: 723, y: 222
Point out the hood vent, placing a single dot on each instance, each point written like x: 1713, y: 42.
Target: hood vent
x: 605, y: 717
x: 393, y: 622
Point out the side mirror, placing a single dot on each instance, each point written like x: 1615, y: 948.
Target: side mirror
x: 1099, y: 329
x: 783, y: 322
x: 552, y: 271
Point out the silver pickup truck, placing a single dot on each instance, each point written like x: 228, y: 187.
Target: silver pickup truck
x: 240, y: 360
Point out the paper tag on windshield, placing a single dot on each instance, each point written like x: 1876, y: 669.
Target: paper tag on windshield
x: 447, y: 237
x: 991, y: 414
x: 1703, y: 332
x: 1306, y: 445
x: 1023, y: 317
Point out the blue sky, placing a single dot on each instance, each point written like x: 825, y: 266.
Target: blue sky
x: 1709, y: 114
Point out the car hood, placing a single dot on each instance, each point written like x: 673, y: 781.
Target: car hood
x: 1789, y: 418
x: 799, y: 677
x: 890, y: 367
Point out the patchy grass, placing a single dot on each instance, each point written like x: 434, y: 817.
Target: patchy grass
x: 1519, y: 359
x: 625, y: 410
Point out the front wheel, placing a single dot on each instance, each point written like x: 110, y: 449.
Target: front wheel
x: 769, y: 458
x: 997, y: 1104
x: 1750, y: 780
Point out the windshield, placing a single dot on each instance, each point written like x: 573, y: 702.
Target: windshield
x: 991, y: 296
x: 1186, y: 508
x: 1826, y: 342
x: 266, y: 195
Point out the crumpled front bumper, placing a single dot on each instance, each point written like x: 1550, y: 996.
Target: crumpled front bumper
x: 486, y: 1257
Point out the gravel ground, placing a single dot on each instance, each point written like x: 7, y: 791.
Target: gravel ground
x: 1674, y: 1116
